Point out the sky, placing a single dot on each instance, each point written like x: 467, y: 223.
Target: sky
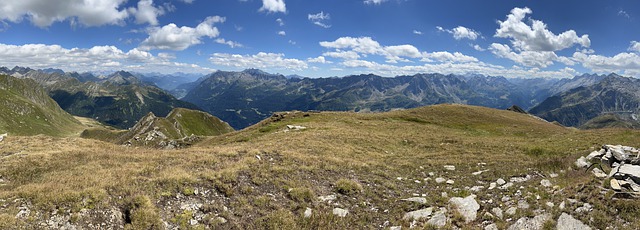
x: 325, y: 38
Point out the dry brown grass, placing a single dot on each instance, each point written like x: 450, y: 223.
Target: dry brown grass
x: 371, y: 150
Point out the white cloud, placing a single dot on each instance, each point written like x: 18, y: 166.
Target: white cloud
x: 461, y: 32
x: 536, y: 37
x: 375, y: 2
x: 147, y: 13
x: 231, y: 44
x: 319, y: 59
x: 97, y: 58
x: 417, y: 32
x: 635, y: 46
x: 478, y: 47
x: 350, y: 48
x: 624, y: 14
x: 172, y: 37
x: 261, y: 60
x: 539, y: 59
x: 282, y: 33
x: 273, y: 6
x: 188, y: 1
x: 627, y: 63
x: 166, y: 56
x: 44, y: 13
x: 444, y: 56
x: 320, y: 19
x: 280, y: 21
x: 342, y: 54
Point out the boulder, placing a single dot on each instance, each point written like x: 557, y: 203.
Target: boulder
x: 545, y: 183
x: 567, y: 222
x: 534, y: 223
x: 596, y: 154
x: 615, y: 185
x: 498, y: 212
x: 468, y: 207
x: 500, y: 181
x: 582, y: 162
x: 307, y: 213
x: 491, y: 227
x: 439, y: 219
x: 628, y: 171
x: 418, y: 214
x: 618, y: 152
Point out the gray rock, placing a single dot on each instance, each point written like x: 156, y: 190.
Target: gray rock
x: 506, y: 186
x: 523, y: 204
x: 615, y: 185
x: 491, y: 227
x: 501, y: 181
x: 468, y: 207
x: 395, y: 228
x: 340, y: 212
x: 450, y: 167
x: 582, y: 162
x: 327, y: 198
x: 307, y: 213
x: 295, y: 127
x: 450, y: 182
x: 498, y: 212
x: 492, y: 185
x: 520, y: 179
x: 567, y: 222
x: 440, y: 180
x: 221, y: 220
x: 586, y: 207
x: 418, y: 214
x: 511, y: 211
x: 545, y: 183
x: 561, y: 206
x: 628, y: 170
x: 534, y: 223
x: 598, y: 173
x: 439, y: 218
x: 2, y: 136
x: 618, y: 153
x: 476, y: 188
x: 550, y: 204
x: 420, y: 200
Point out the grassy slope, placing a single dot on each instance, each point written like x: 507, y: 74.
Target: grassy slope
x: 25, y: 109
x: 335, y: 154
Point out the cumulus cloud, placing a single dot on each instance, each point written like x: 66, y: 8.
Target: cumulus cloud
x: 451, y: 68
x: 147, y: 12
x: 444, y: 56
x: 536, y: 37
x: 280, y: 21
x: 320, y: 19
x: 273, y: 6
x: 342, y: 54
x: 44, y: 13
x: 628, y: 63
x: 172, y: 37
x: 374, y: 2
x: 539, y: 59
x: 417, y: 32
x: 97, y: 58
x: 260, y: 60
x: 461, y: 32
x: 282, y: 33
x: 231, y: 44
x: 478, y: 47
x: 319, y: 59
x: 635, y: 46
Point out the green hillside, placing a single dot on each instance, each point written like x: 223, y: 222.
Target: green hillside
x: 26, y: 109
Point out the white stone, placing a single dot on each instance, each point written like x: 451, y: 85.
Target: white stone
x: 307, y: 213
x: 450, y: 182
x: 598, y: 173
x: 500, y: 181
x: 545, y: 183
x: 492, y: 185
x: 615, y: 185
x: 567, y: 222
x: 491, y: 227
x: 511, y: 211
x: 550, y: 204
x: 468, y: 207
x: 498, y: 212
x: 418, y: 214
x: 420, y: 200
x: 395, y: 228
x: 340, y: 212
x: 523, y: 204
x: 450, y: 167
x: 561, y: 206
x: 553, y: 175
x: 440, y: 180
x: 327, y: 198
x: 439, y: 218
x: 476, y: 188
x: 582, y: 162
x: 530, y: 223
x: 295, y: 127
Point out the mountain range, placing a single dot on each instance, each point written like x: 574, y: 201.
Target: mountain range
x: 246, y: 97
x: 119, y: 99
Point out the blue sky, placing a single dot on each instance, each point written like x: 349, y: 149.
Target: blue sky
x: 322, y: 38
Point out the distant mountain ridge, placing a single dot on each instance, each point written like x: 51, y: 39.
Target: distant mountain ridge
x: 119, y: 99
x: 614, y: 95
x: 246, y: 97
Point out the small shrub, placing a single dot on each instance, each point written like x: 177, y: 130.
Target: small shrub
x: 348, y: 187
x: 302, y: 194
